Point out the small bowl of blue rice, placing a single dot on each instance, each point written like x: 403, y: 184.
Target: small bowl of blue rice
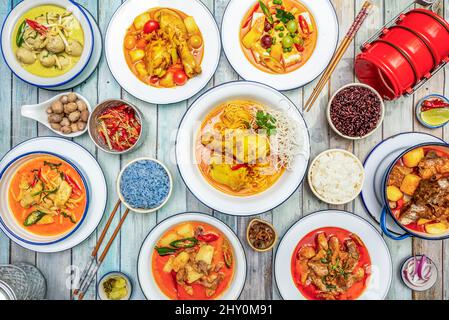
x: 144, y: 185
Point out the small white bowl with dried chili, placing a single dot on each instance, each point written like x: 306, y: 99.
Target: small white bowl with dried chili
x: 116, y: 126
x: 355, y: 111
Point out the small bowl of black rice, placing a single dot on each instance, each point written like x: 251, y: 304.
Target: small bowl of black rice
x: 355, y: 111
x: 144, y: 185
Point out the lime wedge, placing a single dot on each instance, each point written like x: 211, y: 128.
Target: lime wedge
x: 435, y: 117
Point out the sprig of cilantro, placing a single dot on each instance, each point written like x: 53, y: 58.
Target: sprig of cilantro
x: 284, y: 16
x: 266, y: 121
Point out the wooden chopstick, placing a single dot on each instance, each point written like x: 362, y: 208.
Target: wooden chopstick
x: 339, y: 54
x: 93, y: 263
x: 92, y: 274
x: 93, y: 255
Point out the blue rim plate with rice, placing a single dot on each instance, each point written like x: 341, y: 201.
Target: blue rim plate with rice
x: 144, y: 185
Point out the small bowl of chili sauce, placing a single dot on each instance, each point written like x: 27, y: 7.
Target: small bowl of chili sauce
x: 355, y: 111
x: 432, y: 111
x: 116, y: 126
x: 261, y: 235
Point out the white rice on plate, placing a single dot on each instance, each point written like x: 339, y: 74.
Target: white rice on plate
x: 336, y: 176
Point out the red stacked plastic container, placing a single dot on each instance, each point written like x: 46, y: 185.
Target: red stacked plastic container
x: 404, y: 54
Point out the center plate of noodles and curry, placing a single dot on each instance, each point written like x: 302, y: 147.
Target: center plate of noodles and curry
x: 48, y: 41
x: 47, y: 196
x: 244, y: 147
x: 164, y: 47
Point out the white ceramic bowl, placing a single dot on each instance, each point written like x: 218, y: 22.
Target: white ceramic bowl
x: 7, y: 219
x: 14, y: 65
x: 122, y: 20
x: 381, y: 265
x: 38, y: 112
x: 310, y: 174
x: 327, y: 24
x: 100, y: 289
x: 91, y: 171
x: 382, y: 114
x: 119, y: 178
x: 187, y: 163
x: 144, y: 267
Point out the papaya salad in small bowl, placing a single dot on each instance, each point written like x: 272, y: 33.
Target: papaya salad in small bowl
x: 116, y: 126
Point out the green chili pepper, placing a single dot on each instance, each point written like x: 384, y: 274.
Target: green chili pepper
x: 266, y: 11
x: 20, y: 32
x: 33, y: 218
x: 164, y: 251
x: 184, y: 243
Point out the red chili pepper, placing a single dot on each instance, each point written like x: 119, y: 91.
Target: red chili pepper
x: 399, y: 204
x: 238, y: 166
x: 208, y: 237
x: 299, y: 47
x: 303, y: 24
x: 256, y: 7
x: 73, y: 184
x: 37, y: 26
x: 433, y: 104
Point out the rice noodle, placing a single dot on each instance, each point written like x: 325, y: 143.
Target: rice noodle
x: 284, y: 144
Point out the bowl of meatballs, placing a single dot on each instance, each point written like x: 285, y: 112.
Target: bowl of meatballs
x: 66, y: 114
x: 47, y: 43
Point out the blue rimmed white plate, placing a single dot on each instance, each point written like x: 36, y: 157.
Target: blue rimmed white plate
x: 115, y: 57
x: 89, y: 169
x: 144, y: 264
x: 327, y: 24
x: 381, y: 270
x: 376, y: 165
x: 189, y: 129
x: 46, y: 82
x: 9, y: 222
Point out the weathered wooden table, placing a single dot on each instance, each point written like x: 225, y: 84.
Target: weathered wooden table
x: 163, y: 121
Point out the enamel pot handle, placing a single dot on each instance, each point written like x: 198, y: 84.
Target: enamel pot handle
x: 383, y: 225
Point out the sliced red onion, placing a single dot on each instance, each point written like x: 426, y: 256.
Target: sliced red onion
x: 418, y: 272
x: 419, y: 267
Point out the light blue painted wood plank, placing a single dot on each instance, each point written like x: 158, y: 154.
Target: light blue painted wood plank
x: 88, y: 89
x: 108, y: 88
x: 289, y: 212
x: 5, y: 128
x: 138, y: 225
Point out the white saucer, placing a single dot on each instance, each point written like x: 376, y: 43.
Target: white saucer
x: 376, y: 165
x: 327, y: 22
x: 91, y: 171
x: 115, y: 57
x: 94, y: 60
x: 381, y: 265
x: 144, y: 267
